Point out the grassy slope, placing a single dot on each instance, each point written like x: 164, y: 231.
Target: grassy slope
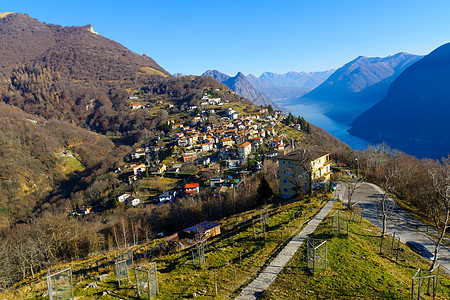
x: 235, y: 249
x: 355, y: 270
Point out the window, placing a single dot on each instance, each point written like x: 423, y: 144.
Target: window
x: 283, y: 162
x: 284, y: 172
x: 284, y: 181
x: 289, y: 163
x: 285, y: 190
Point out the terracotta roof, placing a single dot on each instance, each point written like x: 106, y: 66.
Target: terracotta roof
x: 243, y: 145
x: 191, y: 185
x: 298, y: 154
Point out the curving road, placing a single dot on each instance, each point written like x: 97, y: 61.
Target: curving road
x: 405, y: 225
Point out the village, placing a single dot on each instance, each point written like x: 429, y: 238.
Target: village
x: 214, y: 146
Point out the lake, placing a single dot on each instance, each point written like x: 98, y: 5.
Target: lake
x: 315, y: 114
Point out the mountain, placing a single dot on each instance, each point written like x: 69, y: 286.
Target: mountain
x: 243, y: 87
x: 413, y: 116
x: 358, y: 85
x: 76, y: 75
x: 33, y: 161
x: 77, y: 51
x: 288, y: 85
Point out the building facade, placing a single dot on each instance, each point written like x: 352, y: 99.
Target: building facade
x: 294, y: 176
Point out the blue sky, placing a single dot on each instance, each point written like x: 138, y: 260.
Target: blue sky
x: 191, y: 37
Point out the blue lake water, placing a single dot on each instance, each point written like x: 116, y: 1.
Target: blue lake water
x: 315, y: 114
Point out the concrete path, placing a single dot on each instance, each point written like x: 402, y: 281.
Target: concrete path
x: 404, y: 224
x: 262, y: 282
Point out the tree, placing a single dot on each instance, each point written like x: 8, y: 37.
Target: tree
x: 352, y: 185
x: 264, y: 190
x: 270, y: 109
x: 300, y: 169
x: 438, y: 202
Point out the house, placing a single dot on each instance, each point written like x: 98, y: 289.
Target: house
x: 207, y: 147
x: 256, y: 141
x: 189, y: 156
x: 130, y: 200
x: 227, y: 142
x: 139, y: 169
x: 206, y: 229
x: 192, y: 188
x: 277, y: 142
x: 294, y: 176
x: 138, y: 153
x: 244, y: 149
x: 168, y: 196
x: 213, y: 181
x: 158, y: 170
x: 190, y: 236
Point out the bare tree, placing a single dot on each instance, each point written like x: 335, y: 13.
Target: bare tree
x: 352, y: 184
x: 438, y: 202
x: 388, y: 175
x: 300, y: 170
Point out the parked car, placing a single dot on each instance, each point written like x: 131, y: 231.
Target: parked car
x: 418, y: 248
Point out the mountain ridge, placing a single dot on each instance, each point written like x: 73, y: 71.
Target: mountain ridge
x: 359, y: 84
x: 288, y: 85
x: 243, y: 87
x: 413, y: 114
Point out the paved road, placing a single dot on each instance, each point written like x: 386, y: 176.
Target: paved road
x: 404, y: 224
x: 262, y: 282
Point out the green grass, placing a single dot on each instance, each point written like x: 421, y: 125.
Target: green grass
x: 356, y: 270
x: 235, y: 249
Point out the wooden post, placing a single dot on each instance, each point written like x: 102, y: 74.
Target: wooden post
x: 215, y: 281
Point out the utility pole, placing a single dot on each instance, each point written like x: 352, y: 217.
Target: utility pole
x: 357, y: 173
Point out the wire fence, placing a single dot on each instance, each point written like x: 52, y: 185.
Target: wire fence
x: 147, y: 282
x: 316, y: 255
x: 60, y: 285
x: 122, y: 272
x: 425, y: 282
x: 339, y: 223
x: 198, y: 253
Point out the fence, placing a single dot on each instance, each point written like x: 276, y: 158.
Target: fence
x: 198, y: 253
x: 126, y: 255
x: 316, y: 255
x: 339, y: 223
x: 427, y: 278
x: 147, y: 282
x: 60, y: 285
x: 122, y: 271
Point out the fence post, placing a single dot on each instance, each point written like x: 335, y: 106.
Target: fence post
x: 393, y: 240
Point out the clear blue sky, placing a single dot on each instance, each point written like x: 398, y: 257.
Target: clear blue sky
x: 191, y: 37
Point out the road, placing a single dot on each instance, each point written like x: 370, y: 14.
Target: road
x: 404, y: 224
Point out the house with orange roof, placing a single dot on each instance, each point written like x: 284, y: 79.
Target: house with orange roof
x: 244, y: 149
x: 192, y: 188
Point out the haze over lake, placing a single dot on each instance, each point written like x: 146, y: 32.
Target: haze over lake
x: 315, y: 113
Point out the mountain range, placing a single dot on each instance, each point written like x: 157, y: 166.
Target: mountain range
x: 413, y: 116
x: 358, y: 85
x: 288, y: 85
x: 243, y: 87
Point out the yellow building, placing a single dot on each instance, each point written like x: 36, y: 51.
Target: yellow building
x: 300, y: 168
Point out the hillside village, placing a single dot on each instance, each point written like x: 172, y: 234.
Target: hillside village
x: 213, y: 145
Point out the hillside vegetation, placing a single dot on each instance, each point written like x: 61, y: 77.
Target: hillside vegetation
x: 356, y: 269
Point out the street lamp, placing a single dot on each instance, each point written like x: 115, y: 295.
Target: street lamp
x: 357, y: 161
